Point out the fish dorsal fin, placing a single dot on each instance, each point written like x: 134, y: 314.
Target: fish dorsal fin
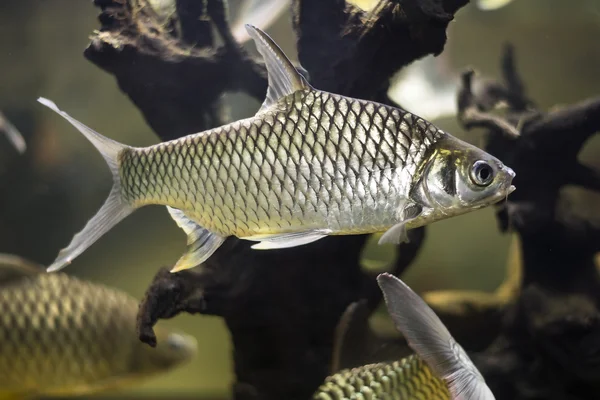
x: 284, y: 79
x: 14, y: 268
x: 431, y: 340
x: 201, y: 243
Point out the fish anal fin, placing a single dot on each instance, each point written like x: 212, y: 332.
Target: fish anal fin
x: 14, y: 268
x: 284, y: 79
x: 286, y: 240
x: 201, y: 243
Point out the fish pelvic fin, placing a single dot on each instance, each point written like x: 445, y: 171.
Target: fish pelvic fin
x: 115, y: 208
x: 431, y: 340
x: 284, y: 79
x: 201, y: 243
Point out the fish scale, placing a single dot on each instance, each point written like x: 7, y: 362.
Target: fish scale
x: 47, y: 340
x: 62, y: 336
x: 313, y: 161
x: 407, y: 379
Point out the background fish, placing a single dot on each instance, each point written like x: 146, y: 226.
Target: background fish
x: 439, y: 370
x: 61, y: 336
x: 309, y: 164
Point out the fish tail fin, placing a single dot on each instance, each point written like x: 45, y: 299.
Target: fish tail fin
x: 431, y: 340
x: 114, y: 209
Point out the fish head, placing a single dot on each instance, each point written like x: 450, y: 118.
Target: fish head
x: 459, y: 177
x: 172, y: 349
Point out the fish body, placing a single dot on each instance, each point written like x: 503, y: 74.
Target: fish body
x: 309, y: 164
x: 408, y: 378
x: 62, y: 336
x: 439, y: 369
x: 318, y: 161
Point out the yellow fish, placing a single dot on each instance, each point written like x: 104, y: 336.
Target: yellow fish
x: 439, y: 370
x: 62, y: 336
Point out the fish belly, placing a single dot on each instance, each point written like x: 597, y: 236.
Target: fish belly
x: 407, y: 379
x: 316, y: 161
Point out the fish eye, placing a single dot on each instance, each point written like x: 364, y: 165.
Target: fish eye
x: 482, y: 173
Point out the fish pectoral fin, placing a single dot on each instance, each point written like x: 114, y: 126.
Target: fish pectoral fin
x: 284, y: 79
x: 286, y: 240
x: 201, y: 243
x: 397, y: 233
x: 431, y: 340
x: 14, y: 268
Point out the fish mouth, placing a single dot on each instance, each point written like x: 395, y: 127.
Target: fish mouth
x: 507, y: 188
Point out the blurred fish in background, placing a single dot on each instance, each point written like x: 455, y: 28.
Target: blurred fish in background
x: 440, y: 368
x: 62, y: 336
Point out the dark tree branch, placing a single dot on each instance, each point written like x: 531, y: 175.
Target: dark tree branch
x: 550, y: 326
x: 567, y: 128
x: 361, y: 51
x: 175, y: 76
x: 584, y: 176
x: 471, y: 114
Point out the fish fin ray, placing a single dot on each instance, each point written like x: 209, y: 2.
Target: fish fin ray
x: 395, y: 235
x: 108, y: 148
x: 284, y: 79
x: 115, y: 208
x: 260, y: 13
x: 201, y: 243
x: 431, y: 340
x: 398, y: 233
x: 286, y: 240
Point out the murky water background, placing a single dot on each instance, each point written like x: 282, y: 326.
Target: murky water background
x: 51, y: 191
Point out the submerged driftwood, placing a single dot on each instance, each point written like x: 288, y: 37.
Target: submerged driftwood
x: 282, y: 306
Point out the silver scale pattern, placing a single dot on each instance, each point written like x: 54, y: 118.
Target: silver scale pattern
x: 316, y: 159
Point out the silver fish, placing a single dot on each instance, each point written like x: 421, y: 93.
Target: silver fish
x: 308, y: 165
